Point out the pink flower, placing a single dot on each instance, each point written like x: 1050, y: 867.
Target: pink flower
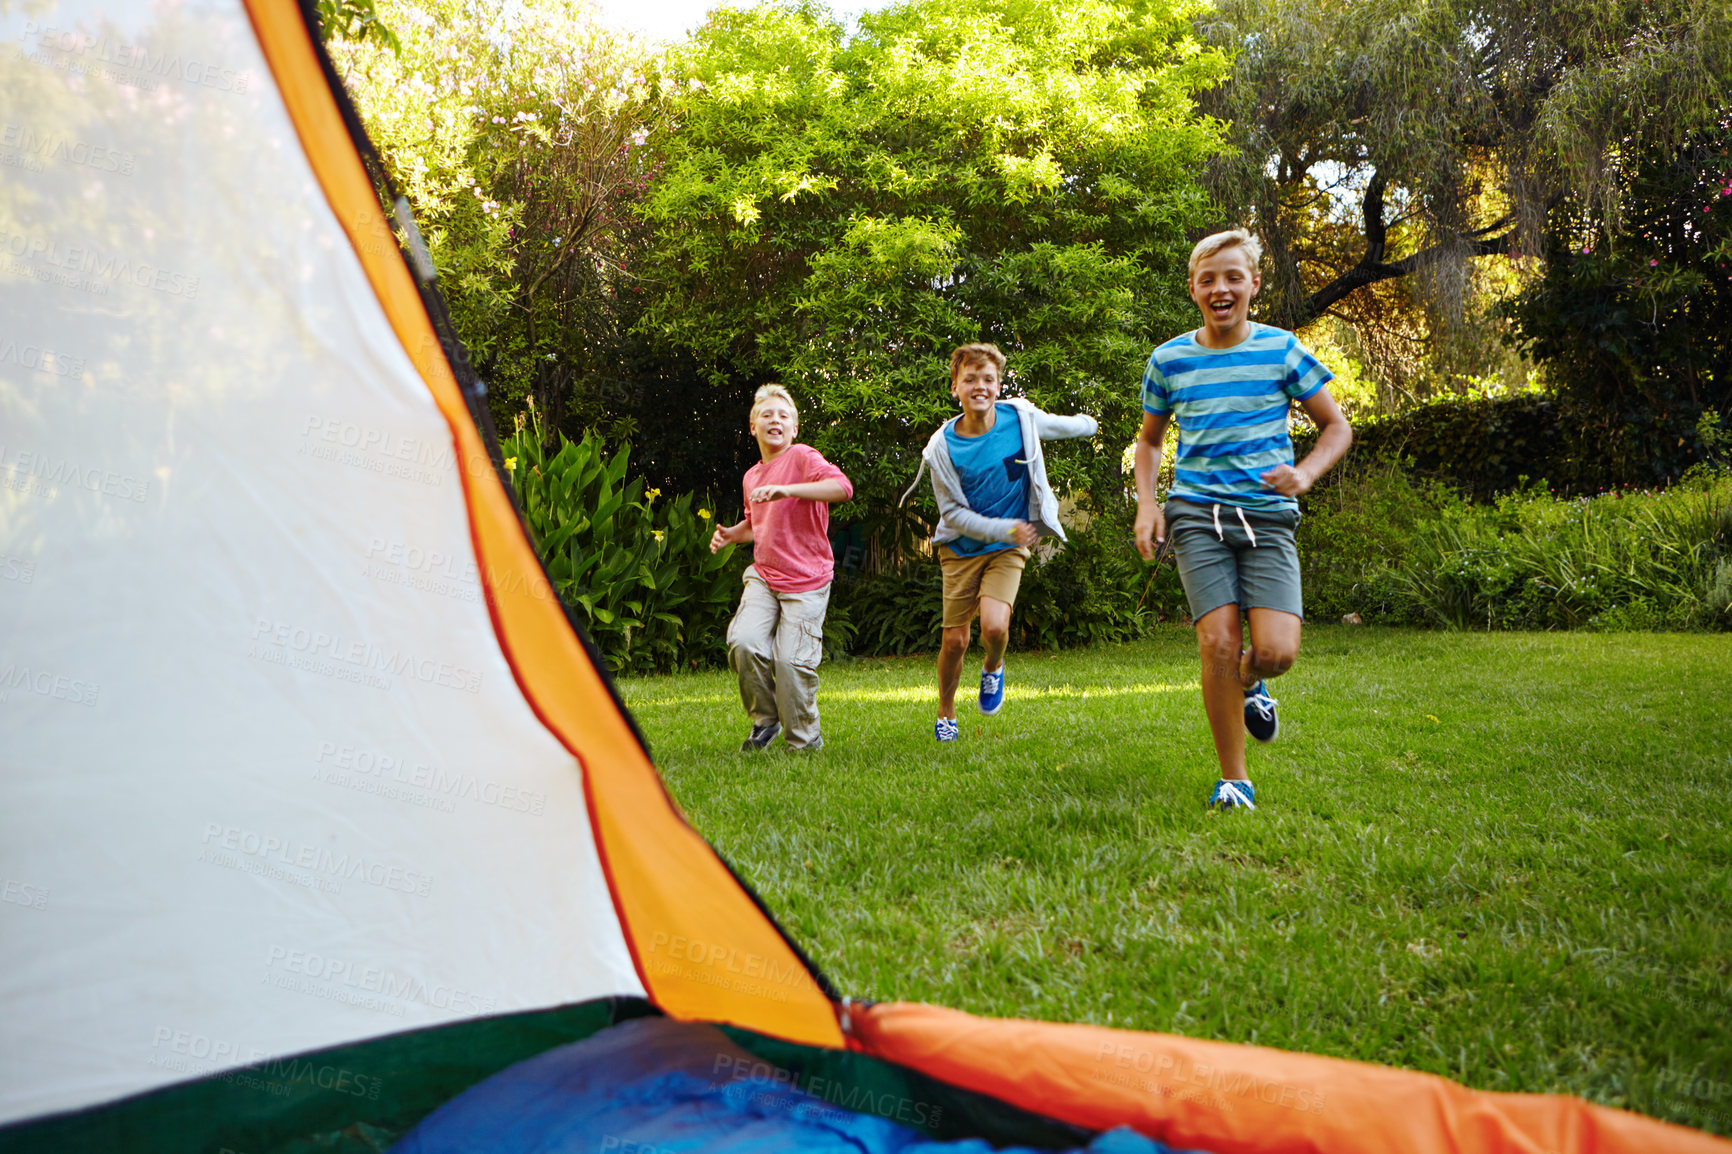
x: 1653, y: 263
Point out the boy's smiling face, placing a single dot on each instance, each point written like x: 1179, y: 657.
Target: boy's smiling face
x: 1222, y: 287
x: 775, y: 425
x: 976, y: 386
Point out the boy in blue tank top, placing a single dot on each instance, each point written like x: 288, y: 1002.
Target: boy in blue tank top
x: 1233, y: 507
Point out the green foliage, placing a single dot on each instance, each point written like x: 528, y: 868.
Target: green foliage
x: 518, y: 136
x: 642, y: 579
x: 1636, y: 327
x: 1356, y: 535
x: 1092, y: 591
x: 1489, y: 446
x: 1383, y: 145
x: 839, y: 211
x: 892, y: 613
x: 1380, y: 543
x: 355, y: 20
x: 1399, y: 552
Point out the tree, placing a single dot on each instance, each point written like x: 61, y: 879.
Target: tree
x: 838, y: 211
x: 518, y: 136
x: 1398, y: 141
x: 1635, y: 326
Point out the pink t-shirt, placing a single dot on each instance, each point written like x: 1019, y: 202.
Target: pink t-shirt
x: 791, y: 537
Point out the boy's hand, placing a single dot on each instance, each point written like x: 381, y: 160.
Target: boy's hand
x: 724, y: 536
x: 1025, y: 535
x: 769, y: 493
x: 1287, y: 480
x: 1151, y: 528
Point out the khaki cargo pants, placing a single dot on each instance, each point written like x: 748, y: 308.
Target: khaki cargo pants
x: 775, y: 643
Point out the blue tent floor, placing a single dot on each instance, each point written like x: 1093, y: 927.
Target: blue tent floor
x: 655, y: 1086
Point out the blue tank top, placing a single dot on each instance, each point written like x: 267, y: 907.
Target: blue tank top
x: 994, y: 473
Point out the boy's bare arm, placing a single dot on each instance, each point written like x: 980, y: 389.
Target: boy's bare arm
x: 828, y: 491
x: 1334, y: 434
x: 726, y: 535
x: 1151, y: 526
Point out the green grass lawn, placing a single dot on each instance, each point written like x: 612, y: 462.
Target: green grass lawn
x: 1503, y: 858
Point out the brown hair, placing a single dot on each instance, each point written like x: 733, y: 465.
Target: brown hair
x: 971, y: 354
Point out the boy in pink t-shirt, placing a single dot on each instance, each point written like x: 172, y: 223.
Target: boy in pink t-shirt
x: 777, y: 636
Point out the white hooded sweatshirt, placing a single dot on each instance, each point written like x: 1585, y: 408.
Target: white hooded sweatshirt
x: 956, y: 519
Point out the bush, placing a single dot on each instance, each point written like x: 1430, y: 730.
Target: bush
x: 1490, y: 446
x: 1405, y: 552
x: 640, y: 579
x: 1093, y: 590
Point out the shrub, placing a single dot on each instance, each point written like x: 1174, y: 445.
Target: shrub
x: 889, y: 613
x: 640, y: 579
x: 1398, y: 551
x: 1093, y: 590
x: 1483, y: 446
x: 1357, y: 534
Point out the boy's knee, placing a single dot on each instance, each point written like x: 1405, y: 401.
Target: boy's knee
x: 1274, y: 660
x: 755, y: 649
x: 1219, y: 631
x: 1216, y: 642
x: 954, y: 641
x: 993, y: 634
x: 1219, y: 650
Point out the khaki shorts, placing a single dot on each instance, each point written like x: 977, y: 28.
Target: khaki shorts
x: 997, y: 574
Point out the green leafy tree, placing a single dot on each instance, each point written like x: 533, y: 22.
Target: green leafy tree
x: 839, y: 210
x: 1635, y: 326
x: 1383, y: 147
x: 354, y: 20
x: 518, y: 135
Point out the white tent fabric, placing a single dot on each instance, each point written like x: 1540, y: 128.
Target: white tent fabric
x: 269, y: 783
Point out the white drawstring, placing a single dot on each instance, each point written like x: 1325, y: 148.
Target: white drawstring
x: 1247, y: 526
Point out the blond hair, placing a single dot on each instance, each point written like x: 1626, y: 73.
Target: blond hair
x: 1210, y: 245
x: 971, y: 354
x: 768, y: 393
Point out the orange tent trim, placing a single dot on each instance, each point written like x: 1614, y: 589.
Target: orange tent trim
x: 1230, y: 1098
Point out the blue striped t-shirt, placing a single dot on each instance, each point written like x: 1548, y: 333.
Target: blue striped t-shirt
x: 1231, y: 406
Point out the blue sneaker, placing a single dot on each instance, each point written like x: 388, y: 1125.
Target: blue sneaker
x: 1260, y: 720
x: 1233, y: 795
x: 991, y: 691
x: 946, y: 729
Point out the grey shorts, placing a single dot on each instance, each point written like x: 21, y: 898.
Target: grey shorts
x: 1223, y: 560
